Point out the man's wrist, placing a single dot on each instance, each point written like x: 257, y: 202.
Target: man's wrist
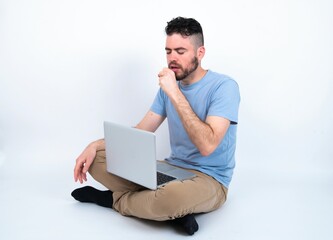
x: 98, y: 145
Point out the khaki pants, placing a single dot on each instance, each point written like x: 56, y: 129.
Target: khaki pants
x: 176, y: 199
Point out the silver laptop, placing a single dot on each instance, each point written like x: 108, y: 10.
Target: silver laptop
x: 131, y: 154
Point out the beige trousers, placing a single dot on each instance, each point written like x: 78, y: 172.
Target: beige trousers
x: 176, y: 199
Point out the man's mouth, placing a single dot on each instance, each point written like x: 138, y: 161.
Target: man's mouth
x: 174, y: 67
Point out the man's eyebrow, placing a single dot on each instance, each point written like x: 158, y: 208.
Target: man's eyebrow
x: 176, y: 49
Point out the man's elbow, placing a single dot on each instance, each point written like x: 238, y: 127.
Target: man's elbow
x: 207, y: 150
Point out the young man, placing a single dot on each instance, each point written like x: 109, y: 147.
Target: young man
x: 202, y: 111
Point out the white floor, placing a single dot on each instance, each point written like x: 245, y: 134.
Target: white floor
x: 36, y: 204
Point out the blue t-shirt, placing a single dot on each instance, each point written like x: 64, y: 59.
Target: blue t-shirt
x: 214, y: 95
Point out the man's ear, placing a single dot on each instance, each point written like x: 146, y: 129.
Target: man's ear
x: 201, y: 52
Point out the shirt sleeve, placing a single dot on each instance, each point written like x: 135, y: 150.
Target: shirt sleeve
x: 225, y: 101
x: 159, y: 103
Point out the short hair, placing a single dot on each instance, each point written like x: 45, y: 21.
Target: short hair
x: 186, y: 27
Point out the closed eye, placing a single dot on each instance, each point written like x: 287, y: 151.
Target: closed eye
x: 179, y: 51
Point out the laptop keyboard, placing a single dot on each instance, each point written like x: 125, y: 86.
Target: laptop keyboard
x: 163, y: 178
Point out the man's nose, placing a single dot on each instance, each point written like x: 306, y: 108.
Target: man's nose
x: 172, y: 57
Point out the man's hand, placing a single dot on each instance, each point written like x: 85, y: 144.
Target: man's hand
x: 167, y: 81
x: 84, y: 161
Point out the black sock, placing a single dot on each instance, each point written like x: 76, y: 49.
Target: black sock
x: 188, y: 223
x: 92, y: 195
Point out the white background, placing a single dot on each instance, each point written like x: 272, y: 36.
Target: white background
x: 66, y: 66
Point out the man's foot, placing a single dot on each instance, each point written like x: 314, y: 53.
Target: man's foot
x: 93, y: 195
x: 188, y: 223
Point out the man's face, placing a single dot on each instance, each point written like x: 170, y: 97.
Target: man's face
x: 181, y: 56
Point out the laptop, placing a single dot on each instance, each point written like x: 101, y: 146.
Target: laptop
x: 131, y: 154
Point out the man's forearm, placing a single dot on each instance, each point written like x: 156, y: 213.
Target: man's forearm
x: 200, y: 133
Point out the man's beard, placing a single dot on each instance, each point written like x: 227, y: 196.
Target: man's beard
x: 186, y: 72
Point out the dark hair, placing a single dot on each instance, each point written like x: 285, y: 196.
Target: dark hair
x: 186, y: 27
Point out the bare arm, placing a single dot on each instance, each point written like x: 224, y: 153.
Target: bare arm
x: 205, y: 135
x: 150, y: 122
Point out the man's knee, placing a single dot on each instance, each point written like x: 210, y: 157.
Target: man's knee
x: 100, y: 156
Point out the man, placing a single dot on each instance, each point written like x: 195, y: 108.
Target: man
x: 202, y: 111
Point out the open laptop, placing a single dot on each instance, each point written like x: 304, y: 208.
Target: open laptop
x: 131, y: 154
